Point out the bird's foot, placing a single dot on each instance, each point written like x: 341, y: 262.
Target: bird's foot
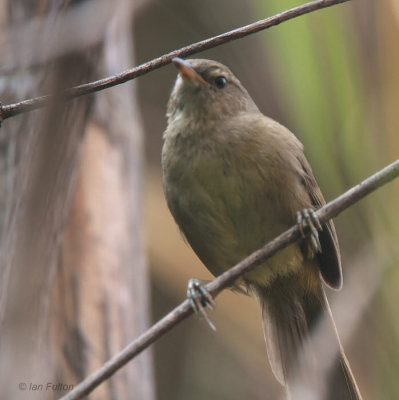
x: 200, y: 298
x: 307, y: 219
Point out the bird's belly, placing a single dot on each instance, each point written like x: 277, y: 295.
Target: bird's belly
x: 227, y: 217
x: 283, y: 263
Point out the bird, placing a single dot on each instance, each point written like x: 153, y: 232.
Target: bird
x: 234, y: 179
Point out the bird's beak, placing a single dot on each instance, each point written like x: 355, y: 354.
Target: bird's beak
x: 187, y: 72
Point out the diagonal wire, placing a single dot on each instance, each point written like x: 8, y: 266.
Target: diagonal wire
x: 11, y: 110
x: 227, y: 279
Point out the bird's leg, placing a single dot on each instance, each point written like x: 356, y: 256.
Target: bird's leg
x: 200, y: 298
x: 307, y: 219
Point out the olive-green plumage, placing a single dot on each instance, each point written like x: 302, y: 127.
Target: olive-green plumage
x: 234, y: 179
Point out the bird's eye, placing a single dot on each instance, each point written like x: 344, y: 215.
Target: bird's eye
x: 220, y: 82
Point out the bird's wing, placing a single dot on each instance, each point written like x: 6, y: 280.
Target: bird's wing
x: 329, y: 258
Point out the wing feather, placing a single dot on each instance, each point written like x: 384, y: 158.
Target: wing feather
x: 329, y: 258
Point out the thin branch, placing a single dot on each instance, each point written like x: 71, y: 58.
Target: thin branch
x: 227, y: 279
x: 11, y: 110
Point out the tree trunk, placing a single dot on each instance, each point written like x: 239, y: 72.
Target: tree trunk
x: 73, y: 285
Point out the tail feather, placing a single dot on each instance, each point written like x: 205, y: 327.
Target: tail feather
x: 302, y: 342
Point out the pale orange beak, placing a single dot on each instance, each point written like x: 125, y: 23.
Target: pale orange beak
x: 187, y: 72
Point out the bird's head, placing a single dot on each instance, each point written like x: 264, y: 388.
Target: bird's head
x: 207, y: 89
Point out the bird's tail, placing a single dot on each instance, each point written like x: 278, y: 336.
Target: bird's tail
x: 302, y: 342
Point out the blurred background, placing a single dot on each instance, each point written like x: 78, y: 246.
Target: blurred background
x: 89, y: 253
x: 331, y: 77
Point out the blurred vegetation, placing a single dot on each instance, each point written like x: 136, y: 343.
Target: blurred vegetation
x: 332, y: 77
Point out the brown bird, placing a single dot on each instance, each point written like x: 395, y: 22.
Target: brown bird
x: 234, y: 179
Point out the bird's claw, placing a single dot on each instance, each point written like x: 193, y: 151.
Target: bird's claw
x: 307, y: 218
x: 200, y: 298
